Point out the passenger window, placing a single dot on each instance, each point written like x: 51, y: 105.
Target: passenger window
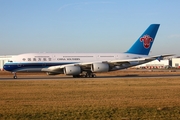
x: 44, y: 59
x: 34, y: 59
x: 29, y: 59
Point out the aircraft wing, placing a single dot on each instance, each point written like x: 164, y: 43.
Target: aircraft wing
x: 140, y: 60
x: 123, y: 63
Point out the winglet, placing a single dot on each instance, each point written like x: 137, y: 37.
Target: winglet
x: 144, y: 43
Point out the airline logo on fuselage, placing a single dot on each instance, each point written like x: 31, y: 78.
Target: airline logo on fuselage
x: 146, y: 39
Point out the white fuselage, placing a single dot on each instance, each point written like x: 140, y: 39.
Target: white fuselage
x: 39, y: 61
x: 71, y: 57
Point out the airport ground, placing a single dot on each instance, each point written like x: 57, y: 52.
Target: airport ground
x: 120, y: 95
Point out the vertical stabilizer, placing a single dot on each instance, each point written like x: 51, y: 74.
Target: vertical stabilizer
x: 144, y: 43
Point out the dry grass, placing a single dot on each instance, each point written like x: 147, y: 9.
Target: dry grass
x: 116, y: 98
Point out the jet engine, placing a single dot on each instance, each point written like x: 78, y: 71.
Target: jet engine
x: 72, y: 70
x: 100, y: 67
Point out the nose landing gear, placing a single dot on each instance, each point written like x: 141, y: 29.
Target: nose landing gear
x: 15, y: 76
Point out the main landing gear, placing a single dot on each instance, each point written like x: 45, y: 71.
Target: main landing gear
x: 86, y: 75
x: 15, y: 76
x: 90, y: 75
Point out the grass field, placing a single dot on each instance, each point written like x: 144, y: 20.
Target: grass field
x: 113, y: 99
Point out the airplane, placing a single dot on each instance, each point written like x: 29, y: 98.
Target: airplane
x: 86, y: 64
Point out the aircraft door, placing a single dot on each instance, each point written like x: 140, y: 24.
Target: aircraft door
x: 117, y: 57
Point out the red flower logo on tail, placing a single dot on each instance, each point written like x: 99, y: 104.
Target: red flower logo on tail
x: 146, y: 39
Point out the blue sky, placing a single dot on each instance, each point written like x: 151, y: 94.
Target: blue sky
x: 86, y: 25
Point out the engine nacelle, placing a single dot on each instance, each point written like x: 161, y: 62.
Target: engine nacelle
x: 72, y: 70
x: 100, y: 67
x: 52, y: 73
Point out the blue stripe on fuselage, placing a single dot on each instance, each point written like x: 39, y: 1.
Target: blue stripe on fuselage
x: 13, y: 67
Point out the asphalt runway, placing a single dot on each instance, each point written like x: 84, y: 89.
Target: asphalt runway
x: 44, y: 77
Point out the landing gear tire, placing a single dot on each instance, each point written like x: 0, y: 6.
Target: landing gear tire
x: 76, y: 76
x: 94, y: 75
x: 90, y: 75
x: 15, y: 76
x: 86, y: 75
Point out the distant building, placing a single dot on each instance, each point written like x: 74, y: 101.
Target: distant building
x: 155, y: 64
x: 176, y: 62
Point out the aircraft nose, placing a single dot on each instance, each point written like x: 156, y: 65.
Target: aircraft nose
x: 4, y: 67
x: 7, y: 67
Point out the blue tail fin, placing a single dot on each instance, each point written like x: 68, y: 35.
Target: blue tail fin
x: 144, y: 43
